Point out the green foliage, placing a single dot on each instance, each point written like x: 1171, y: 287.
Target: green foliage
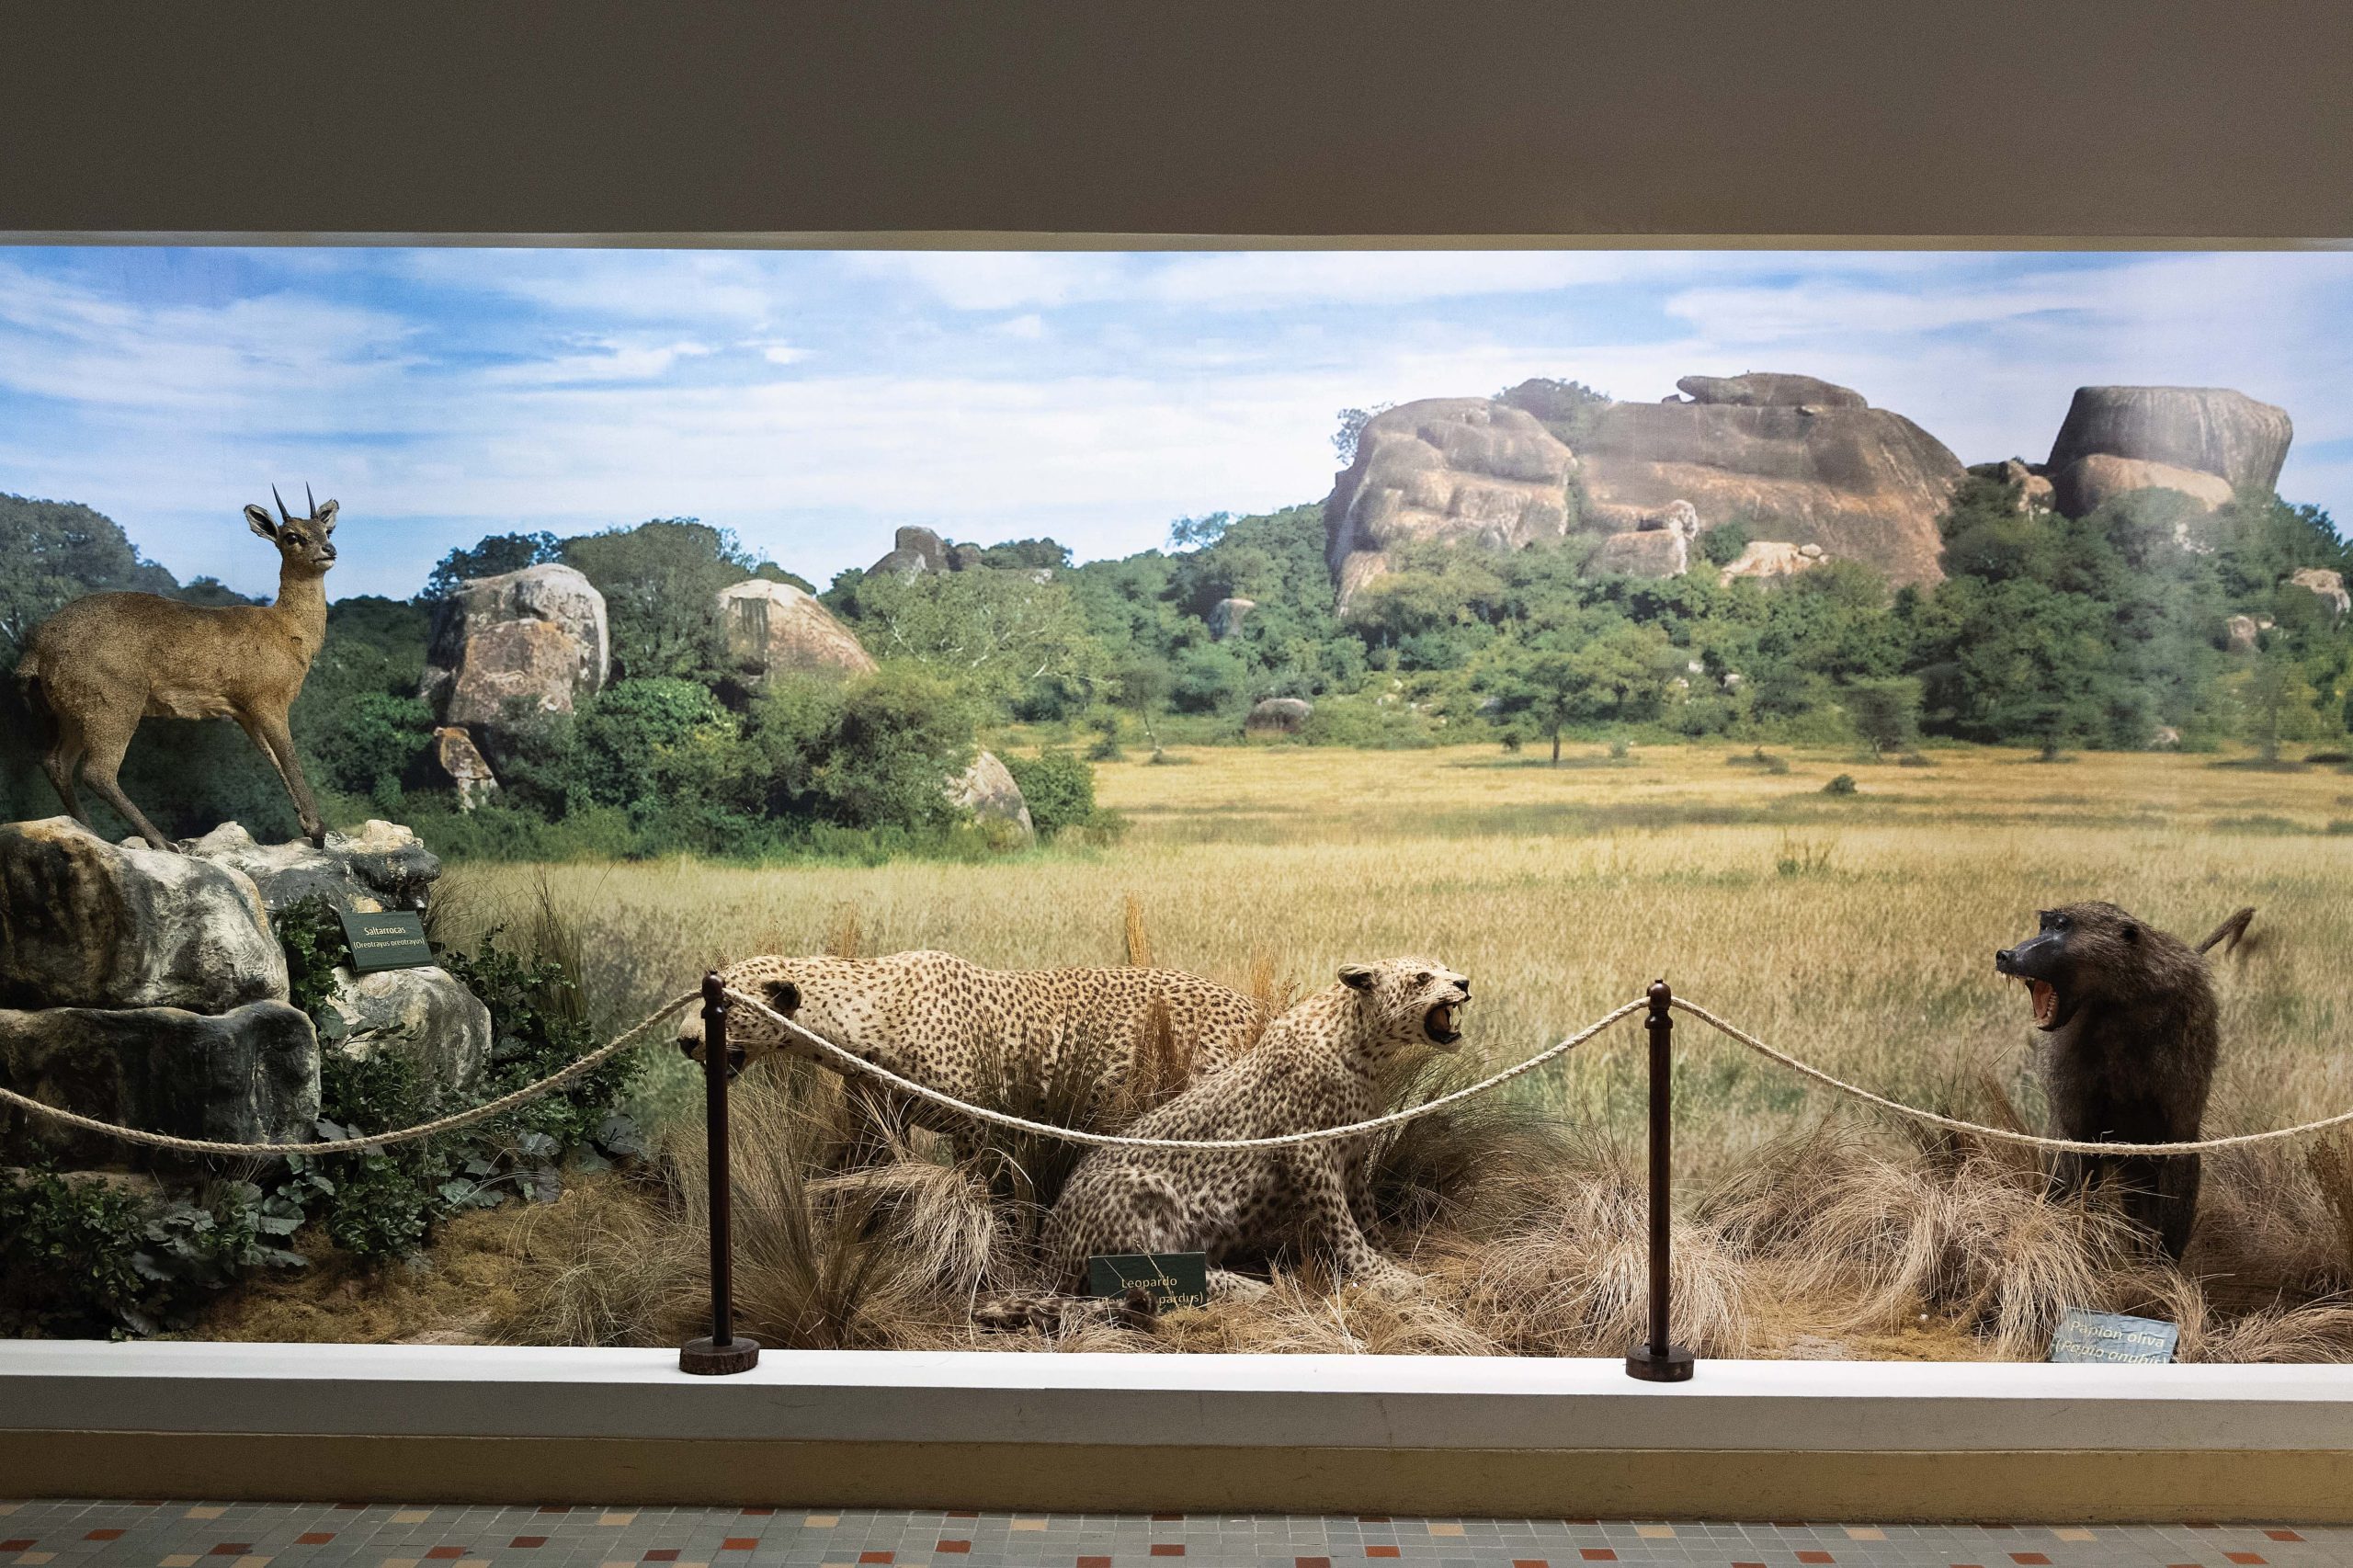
x: 1000, y: 637
x: 1059, y: 787
x: 1885, y: 713
x: 661, y: 583
x: 492, y: 557
x: 81, y: 1258
x: 1844, y: 784
x: 1720, y: 546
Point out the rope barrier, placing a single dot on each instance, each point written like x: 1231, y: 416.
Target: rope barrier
x: 857, y: 1063
x: 1118, y: 1140
x: 2003, y: 1134
x: 456, y: 1119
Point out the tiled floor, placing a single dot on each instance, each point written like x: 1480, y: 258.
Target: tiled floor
x: 256, y: 1535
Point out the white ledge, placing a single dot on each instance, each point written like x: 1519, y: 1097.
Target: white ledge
x: 1246, y: 1401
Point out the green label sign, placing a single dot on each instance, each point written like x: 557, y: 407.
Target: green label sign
x: 392, y: 938
x: 2111, y: 1337
x: 1173, y: 1279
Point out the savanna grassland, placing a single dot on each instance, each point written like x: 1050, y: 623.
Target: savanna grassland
x: 1854, y: 928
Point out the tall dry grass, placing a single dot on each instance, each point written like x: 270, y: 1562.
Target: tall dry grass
x: 1561, y: 893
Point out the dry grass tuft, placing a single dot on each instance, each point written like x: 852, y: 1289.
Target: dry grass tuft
x: 847, y: 940
x: 1138, y: 938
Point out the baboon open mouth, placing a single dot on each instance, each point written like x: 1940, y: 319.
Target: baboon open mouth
x: 2045, y: 997
x: 1439, y: 1023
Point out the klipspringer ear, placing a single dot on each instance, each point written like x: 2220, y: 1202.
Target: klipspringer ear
x: 258, y: 518
x: 1357, y: 976
x: 324, y: 516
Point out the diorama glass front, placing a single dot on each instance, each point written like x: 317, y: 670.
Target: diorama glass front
x: 1185, y: 767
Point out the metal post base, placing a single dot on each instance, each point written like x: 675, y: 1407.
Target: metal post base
x: 738, y: 1355
x: 1672, y: 1365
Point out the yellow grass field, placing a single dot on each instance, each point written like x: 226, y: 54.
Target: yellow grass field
x: 1855, y: 930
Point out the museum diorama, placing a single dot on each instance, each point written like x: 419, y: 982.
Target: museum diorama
x: 1236, y: 943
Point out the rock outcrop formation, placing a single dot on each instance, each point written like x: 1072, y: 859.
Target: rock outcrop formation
x: 86, y: 923
x: 1452, y: 470
x: 383, y: 866
x: 772, y: 629
x: 1657, y: 546
x: 2328, y: 585
x: 2213, y: 431
x: 2083, y: 486
x: 1763, y: 559
x: 1799, y: 460
x: 425, y: 1015
x: 461, y: 763
x: 519, y: 644
x: 1226, y: 617
x: 2035, y: 493
x: 987, y: 790
x: 249, y: 1074
x: 1277, y: 716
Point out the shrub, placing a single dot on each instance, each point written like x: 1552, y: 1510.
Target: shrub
x: 1059, y: 787
x: 1842, y: 785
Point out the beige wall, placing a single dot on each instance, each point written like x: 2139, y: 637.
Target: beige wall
x: 1905, y: 118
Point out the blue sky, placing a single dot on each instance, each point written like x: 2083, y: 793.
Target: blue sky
x: 812, y: 401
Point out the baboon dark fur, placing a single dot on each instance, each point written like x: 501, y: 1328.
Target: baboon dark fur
x: 2133, y: 1038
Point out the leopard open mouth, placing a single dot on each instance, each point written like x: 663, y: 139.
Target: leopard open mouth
x: 1438, y: 1024
x: 2045, y: 997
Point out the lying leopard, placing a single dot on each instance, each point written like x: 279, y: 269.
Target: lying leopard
x: 989, y: 1036
x: 1320, y: 1064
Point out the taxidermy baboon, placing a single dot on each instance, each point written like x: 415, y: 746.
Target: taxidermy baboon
x: 2132, y: 1021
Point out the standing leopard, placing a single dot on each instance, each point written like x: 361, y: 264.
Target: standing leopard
x: 985, y: 1035
x: 1320, y: 1064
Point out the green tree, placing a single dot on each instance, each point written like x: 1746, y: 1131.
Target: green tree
x: 998, y: 635
x: 494, y: 555
x: 55, y: 551
x: 1885, y: 713
x: 661, y: 583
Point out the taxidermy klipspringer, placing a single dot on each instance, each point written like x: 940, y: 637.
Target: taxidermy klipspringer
x: 103, y: 663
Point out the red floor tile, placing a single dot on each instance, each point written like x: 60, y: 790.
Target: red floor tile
x: 2283, y: 1535
x: 2029, y: 1560
x: 740, y: 1544
x: 1311, y: 1562
x: 667, y: 1554
x: 1530, y: 1562
x: 1815, y: 1557
x: 445, y: 1554
x: 1166, y: 1549
x: 1596, y: 1554
x: 2247, y: 1559
x: 525, y: 1543
x: 314, y: 1538
x: 117, y: 1535
x: 1748, y: 1566
x: 874, y: 1557
x: 1380, y: 1552
x: 1094, y: 1562
x: 953, y: 1548
x: 21, y: 1543
x: 240, y: 1547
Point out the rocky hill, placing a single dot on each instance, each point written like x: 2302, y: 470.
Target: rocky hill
x: 1809, y: 468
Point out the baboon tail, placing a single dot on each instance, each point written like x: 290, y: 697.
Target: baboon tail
x: 2230, y: 931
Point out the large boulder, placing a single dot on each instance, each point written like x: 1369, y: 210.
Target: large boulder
x: 248, y: 1076
x: 526, y: 642
x: 913, y: 551
x: 987, y: 790
x: 2328, y: 585
x: 383, y: 866
x: 1659, y: 545
x: 1277, y: 716
x: 2035, y: 491
x: 1226, y: 617
x: 463, y: 764
x: 775, y: 629
x: 2084, y: 483
x: 1796, y: 460
x: 1455, y: 470
x: 88, y: 924
x: 2207, y: 431
x: 425, y: 1015
x: 1769, y: 389
x: 1763, y: 559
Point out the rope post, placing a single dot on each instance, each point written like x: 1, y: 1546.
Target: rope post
x: 1659, y: 1360
x: 726, y: 1351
